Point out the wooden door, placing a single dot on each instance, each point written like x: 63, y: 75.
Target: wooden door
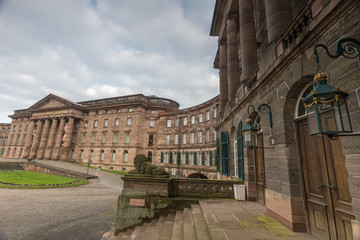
x: 325, y: 176
x: 260, y: 170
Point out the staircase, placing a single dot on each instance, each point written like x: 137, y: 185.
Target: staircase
x: 213, y: 220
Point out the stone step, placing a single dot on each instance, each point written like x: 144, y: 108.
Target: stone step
x: 178, y: 227
x: 156, y: 230
x: 189, y: 228
x: 202, y: 231
x: 213, y: 224
x: 167, y: 228
x: 127, y: 234
x: 142, y: 234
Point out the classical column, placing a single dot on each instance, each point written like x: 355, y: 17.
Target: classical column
x: 223, y: 75
x: 43, y: 139
x: 36, y: 141
x: 68, y: 137
x: 278, y: 17
x: 232, y: 55
x: 51, y: 139
x: 247, y: 38
x: 29, y: 135
x: 59, y: 134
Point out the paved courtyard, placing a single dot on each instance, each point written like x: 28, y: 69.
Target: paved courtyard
x: 82, y: 212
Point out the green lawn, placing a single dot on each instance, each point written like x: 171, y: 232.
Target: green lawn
x: 36, y: 180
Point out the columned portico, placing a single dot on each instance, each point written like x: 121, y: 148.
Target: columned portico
x: 51, y: 140
x: 36, y: 141
x: 28, y: 139
x: 67, y: 138
x: 59, y: 134
x: 43, y: 139
x: 232, y: 55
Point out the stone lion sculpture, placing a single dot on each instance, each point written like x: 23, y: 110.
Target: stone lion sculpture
x: 143, y: 166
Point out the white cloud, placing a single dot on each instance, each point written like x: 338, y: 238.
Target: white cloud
x: 86, y: 49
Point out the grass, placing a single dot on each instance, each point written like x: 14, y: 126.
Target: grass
x: 105, y: 170
x: 28, y: 179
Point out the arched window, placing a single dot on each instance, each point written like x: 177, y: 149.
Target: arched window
x: 225, y: 153
x: 113, y: 156
x: 81, y: 154
x: 102, y: 155
x: 91, y: 155
x: 126, y: 156
x: 300, y: 108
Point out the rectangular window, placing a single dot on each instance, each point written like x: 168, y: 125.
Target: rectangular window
x: 81, y: 154
x: 107, y: 111
x: 192, y: 158
x: 129, y: 121
x: 152, y: 111
x: 103, y: 138
x: 95, y: 123
x: 193, y: 120
x: 184, y: 138
x: 102, y: 156
x: 173, y: 171
x: 83, y: 138
x: 200, y: 117
x: 93, y: 138
x: 130, y: 109
x: 106, y: 121
x: 11, y: 139
x: 207, y: 159
x: 115, y: 137
x: 113, y: 156
x: 177, y: 122
x: 207, y: 137
x: 26, y: 127
x: 85, y: 124
x: 214, y: 138
x: 126, y: 156
x: 215, y: 112
x: 185, y: 121
x: 176, y: 139
x: 74, y: 138
x: 192, y: 138
x: 151, y: 139
x: 166, y: 157
x: 168, y: 124
x: 23, y: 141
x: 183, y: 158
x: 117, y: 122
x: 208, y: 115
x: 167, y: 140
x: 17, y: 139
x: 152, y: 123
x: 127, y: 137
x: 14, y: 128
x: 200, y: 137
x: 20, y: 128
x: 118, y: 110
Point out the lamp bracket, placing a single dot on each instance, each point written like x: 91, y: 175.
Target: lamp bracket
x: 263, y: 108
x: 347, y: 47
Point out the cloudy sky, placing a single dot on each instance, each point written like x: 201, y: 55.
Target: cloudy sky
x: 90, y: 49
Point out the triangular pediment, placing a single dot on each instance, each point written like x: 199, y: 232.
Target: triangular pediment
x: 52, y: 101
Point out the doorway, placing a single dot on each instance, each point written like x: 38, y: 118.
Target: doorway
x: 325, y: 182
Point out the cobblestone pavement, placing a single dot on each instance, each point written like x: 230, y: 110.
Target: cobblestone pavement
x: 77, y: 213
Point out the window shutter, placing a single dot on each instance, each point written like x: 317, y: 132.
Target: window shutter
x: 203, y: 158
x: 217, y: 157
x: 187, y: 157
x: 178, y: 157
x: 171, y: 157
x: 195, y: 162
x: 211, y: 160
x: 240, y: 152
x: 225, y: 153
x: 162, y: 157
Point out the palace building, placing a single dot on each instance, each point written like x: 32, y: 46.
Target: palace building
x: 111, y: 132
x: 267, y: 65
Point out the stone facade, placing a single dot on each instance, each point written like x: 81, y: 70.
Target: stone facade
x: 110, y: 132
x: 4, y: 131
x: 274, y: 54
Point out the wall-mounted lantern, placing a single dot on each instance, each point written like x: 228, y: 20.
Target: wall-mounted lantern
x: 326, y: 106
x: 250, y: 131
